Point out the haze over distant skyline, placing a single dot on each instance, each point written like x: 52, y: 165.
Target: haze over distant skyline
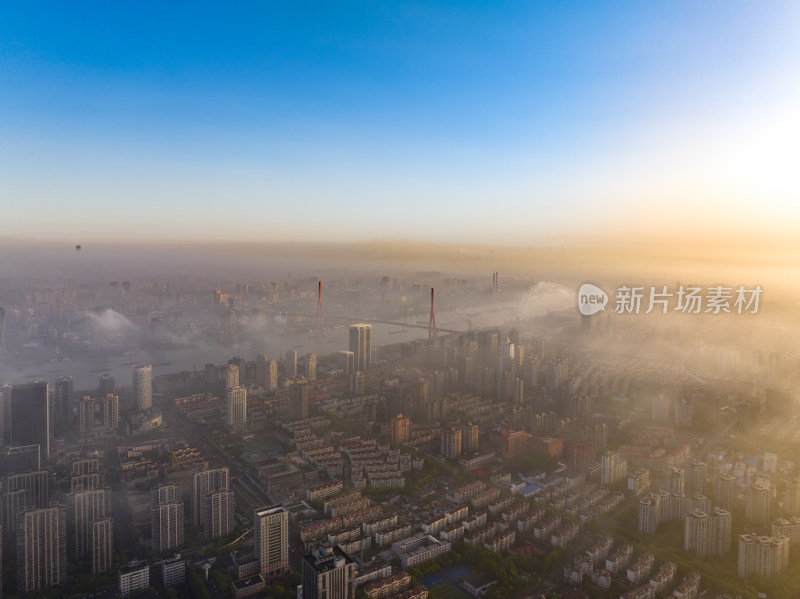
x: 507, y: 122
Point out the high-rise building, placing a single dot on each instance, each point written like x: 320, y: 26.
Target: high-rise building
x: 762, y: 555
x: 106, y: 385
x: 328, y: 573
x: 30, y: 416
x: 791, y: 496
x: 143, y: 387
x: 231, y: 376
x: 519, y: 390
x: 218, y: 517
x: 639, y: 481
x: 661, y: 408
x: 399, y: 429
x: 272, y: 375
x: 557, y: 372
x: 361, y: 346
x: 708, y: 533
x: 64, y: 390
x: 530, y: 371
x: 469, y: 436
x: 451, y: 443
x: 696, y: 535
x: 204, y: 483
x: 271, y: 531
x: 649, y: 517
x: 36, y: 484
x: 83, y: 509
x: 676, y: 480
x: 237, y: 408
x: 266, y: 372
x: 41, y: 548
x: 173, y: 571
x: 721, y: 529
x: 683, y: 413
x: 725, y: 491
x: 612, y: 468
x: 110, y: 411
x: 311, y: 367
x: 165, y: 493
x: 789, y: 528
x: 346, y: 362
x: 85, y: 466
x: 663, y: 506
x: 14, y: 503
x: 510, y: 442
x: 757, y: 504
x: 298, y: 398
x: 507, y: 352
x: 134, y: 576
x: 101, y: 546
x: 580, y: 454
x: 84, y: 482
x: 487, y: 346
x: 291, y: 364
x: 695, y: 477
x: 166, y: 517
x: 86, y: 415
x: 26, y: 458
x: 5, y: 415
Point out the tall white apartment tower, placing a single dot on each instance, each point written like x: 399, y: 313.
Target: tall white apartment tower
x: 237, y: 408
x: 143, y: 386
x: 361, y: 346
x: 271, y: 529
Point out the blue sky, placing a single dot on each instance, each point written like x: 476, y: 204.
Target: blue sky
x: 509, y: 122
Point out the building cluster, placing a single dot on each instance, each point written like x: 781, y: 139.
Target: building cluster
x: 527, y: 401
x: 762, y: 555
x: 602, y: 566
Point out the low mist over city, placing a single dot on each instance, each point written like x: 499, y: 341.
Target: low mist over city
x: 409, y: 301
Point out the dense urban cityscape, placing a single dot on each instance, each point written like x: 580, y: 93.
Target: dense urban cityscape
x: 399, y: 300
x: 535, y: 458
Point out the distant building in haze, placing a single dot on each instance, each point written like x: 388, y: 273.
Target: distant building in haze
x: 143, y: 387
x: 205, y: 483
x: 236, y: 409
x: 30, y: 416
x: 346, y: 362
x: 298, y: 398
x: 311, y: 367
x: 451, y: 443
x: 106, y: 385
x: 399, y: 429
x: 361, y: 346
x: 291, y: 364
x: 64, y: 391
x: 166, y: 517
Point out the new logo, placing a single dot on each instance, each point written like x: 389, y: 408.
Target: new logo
x: 591, y: 299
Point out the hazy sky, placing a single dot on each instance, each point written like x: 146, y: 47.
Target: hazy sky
x: 498, y: 122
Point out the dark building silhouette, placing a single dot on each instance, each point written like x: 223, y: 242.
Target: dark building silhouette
x: 30, y: 416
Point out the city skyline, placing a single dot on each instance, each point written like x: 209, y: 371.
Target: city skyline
x: 408, y: 300
x: 356, y: 123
